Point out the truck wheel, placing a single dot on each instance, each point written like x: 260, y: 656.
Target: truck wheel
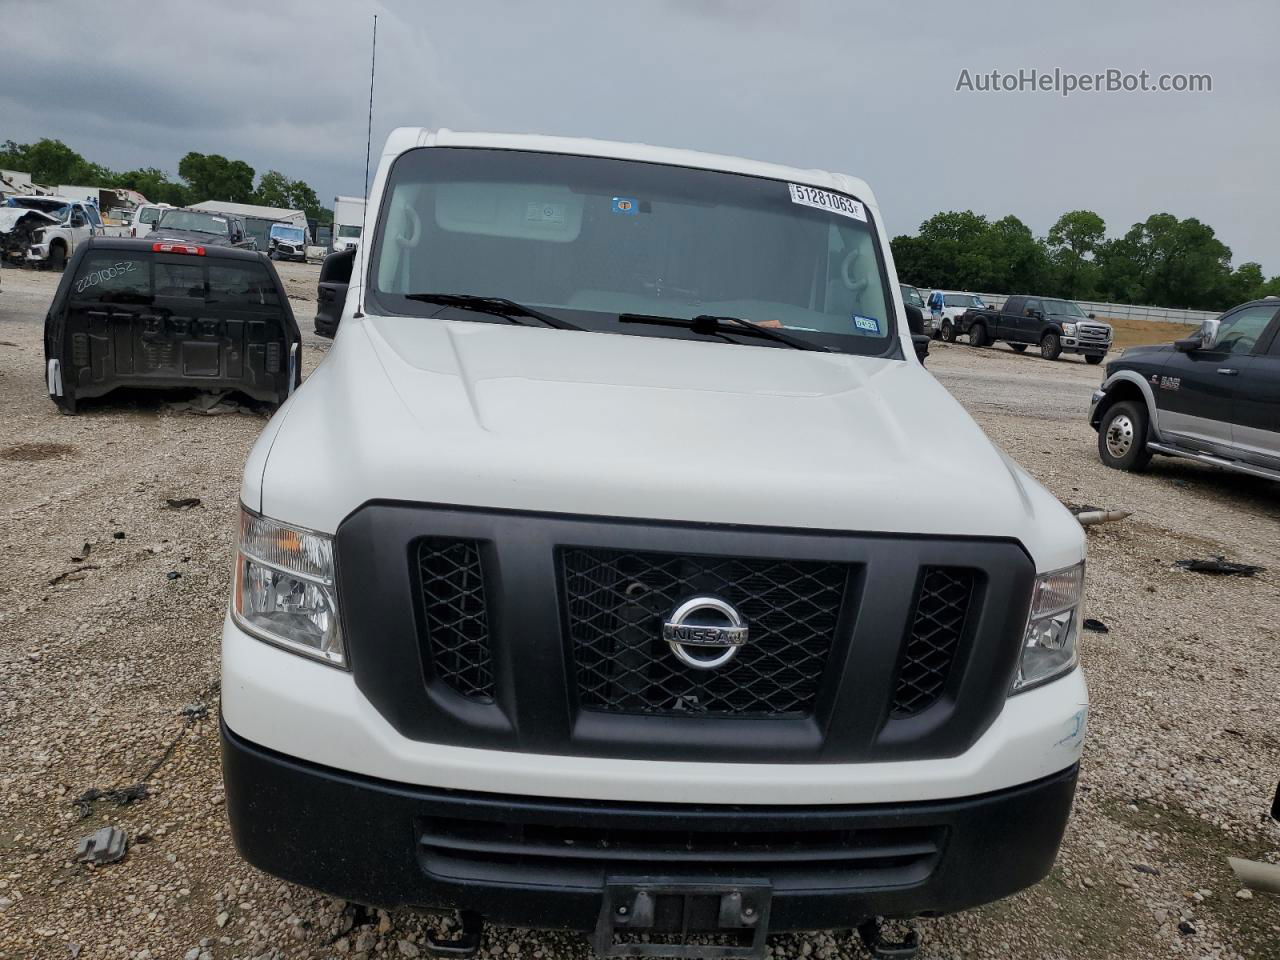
x: 1093, y: 359
x: 1018, y: 347
x: 948, y: 332
x: 1122, y: 437
x: 978, y: 335
x: 57, y: 257
x: 1050, y: 346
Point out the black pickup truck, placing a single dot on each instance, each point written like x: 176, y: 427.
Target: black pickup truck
x: 1058, y: 326
x: 1213, y: 397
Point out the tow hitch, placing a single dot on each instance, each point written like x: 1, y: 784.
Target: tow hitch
x: 465, y: 944
x: 643, y: 918
x: 872, y: 934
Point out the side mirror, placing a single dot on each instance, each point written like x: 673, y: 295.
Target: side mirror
x: 915, y: 319
x: 921, y: 342
x: 1188, y: 344
x: 331, y: 292
x: 1093, y: 316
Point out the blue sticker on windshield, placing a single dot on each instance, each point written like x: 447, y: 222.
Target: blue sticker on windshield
x: 626, y: 206
x: 866, y: 324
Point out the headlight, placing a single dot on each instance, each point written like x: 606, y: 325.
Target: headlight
x: 284, y: 588
x: 1069, y: 329
x: 1049, y: 646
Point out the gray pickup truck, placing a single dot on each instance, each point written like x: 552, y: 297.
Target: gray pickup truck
x: 1058, y: 326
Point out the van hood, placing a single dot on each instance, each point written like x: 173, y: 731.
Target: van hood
x: 529, y: 418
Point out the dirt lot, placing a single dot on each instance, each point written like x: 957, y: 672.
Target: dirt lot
x: 111, y: 603
x: 1130, y: 332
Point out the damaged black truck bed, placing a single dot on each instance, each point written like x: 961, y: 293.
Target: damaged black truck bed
x: 138, y: 313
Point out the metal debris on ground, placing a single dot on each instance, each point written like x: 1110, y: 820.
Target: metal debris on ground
x: 1220, y: 566
x: 1097, y: 626
x: 72, y: 574
x: 120, y: 796
x: 173, y: 575
x: 195, y: 711
x: 182, y: 503
x: 102, y: 846
x: 1089, y: 517
x: 1263, y: 877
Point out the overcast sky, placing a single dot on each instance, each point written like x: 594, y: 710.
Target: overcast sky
x: 867, y: 89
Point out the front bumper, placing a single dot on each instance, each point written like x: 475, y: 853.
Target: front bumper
x: 1094, y: 400
x: 519, y: 861
x: 38, y: 251
x: 311, y: 711
x: 1076, y: 345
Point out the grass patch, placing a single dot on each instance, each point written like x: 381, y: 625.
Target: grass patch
x: 1132, y: 332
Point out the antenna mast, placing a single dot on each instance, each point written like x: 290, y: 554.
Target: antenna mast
x: 368, y: 149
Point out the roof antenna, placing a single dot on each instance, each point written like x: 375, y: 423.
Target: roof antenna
x: 368, y: 146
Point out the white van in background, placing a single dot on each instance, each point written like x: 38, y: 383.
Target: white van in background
x: 348, y: 220
x: 144, y: 218
x: 954, y: 304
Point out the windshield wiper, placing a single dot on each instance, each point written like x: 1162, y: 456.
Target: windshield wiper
x: 509, y: 310
x: 711, y: 325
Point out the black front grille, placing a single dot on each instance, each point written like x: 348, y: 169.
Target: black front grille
x: 617, y: 600
x: 933, y: 638
x: 456, y: 625
x: 800, y: 855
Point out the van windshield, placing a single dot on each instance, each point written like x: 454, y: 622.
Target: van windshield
x: 287, y: 234
x: 591, y: 240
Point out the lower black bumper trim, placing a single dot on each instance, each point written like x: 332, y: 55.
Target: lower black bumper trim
x: 369, y: 841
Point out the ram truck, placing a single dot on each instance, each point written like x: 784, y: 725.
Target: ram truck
x: 595, y: 580
x: 1213, y: 397
x: 1057, y: 326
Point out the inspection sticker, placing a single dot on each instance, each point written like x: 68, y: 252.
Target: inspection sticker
x: 544, y: 212
x: 869, y: 324
x: 626, y: 206
x: 825, y: 200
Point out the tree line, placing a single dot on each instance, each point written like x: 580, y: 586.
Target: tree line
x: 202, y: 176
x: 1163, y: 261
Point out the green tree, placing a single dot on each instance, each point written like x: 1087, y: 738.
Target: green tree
x: 277, y: 190
x: 303, y: 198
x: 153, y: 184
x: 1073, y: 243
x: 1247, y: 283
x: 1080, y: 231
x: 52, y: 162
x: 214, y: 177
x: 1169, y: 263
x: 1014, y: 259
x: 274, y: 190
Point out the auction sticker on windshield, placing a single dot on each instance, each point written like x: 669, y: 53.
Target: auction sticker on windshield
x: 825, y: 200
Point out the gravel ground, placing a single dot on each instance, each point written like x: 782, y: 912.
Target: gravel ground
x: 111, y: 602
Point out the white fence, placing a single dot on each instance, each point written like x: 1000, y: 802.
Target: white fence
x: 1127, y: 311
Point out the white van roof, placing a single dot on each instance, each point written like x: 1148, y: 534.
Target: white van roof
x: 405, y: 138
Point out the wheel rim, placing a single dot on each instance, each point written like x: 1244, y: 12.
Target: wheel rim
x: 1120, y: 436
